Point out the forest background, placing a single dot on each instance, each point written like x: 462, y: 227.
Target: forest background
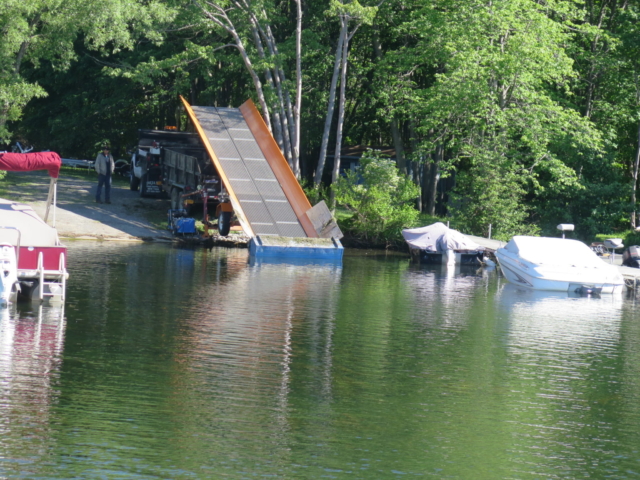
x: 517, y: 114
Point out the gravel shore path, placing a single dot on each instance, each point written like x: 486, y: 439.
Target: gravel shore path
x: 78, y: 216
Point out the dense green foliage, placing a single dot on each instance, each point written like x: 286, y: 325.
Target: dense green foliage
x: 380, y: 199
x: 42, y: 37
x: 510, y: 113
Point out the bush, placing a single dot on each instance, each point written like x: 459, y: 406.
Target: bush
x: 315, y: 193
x: 491, y: 194
x: 380, y: 199
x: 629, y: 237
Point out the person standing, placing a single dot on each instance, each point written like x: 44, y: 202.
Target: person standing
x: 105, y: 166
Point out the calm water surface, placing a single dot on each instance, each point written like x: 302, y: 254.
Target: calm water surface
x: 172, y: 363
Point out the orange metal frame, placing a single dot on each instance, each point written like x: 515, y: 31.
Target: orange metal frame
x: 279, y: 165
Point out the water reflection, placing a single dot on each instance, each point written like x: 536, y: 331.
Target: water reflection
x: 197, y: 364
x: 31, y: 344
x: 556, y: 320
x: 240, y: 352
x: 565, y: 367
x: 300, y: 262
x: 449, y: 291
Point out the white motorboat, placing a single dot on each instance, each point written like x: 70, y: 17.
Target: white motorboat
x: 557, y: 264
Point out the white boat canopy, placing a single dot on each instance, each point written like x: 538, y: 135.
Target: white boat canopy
x: 554, y: 251
x: 438, y: 238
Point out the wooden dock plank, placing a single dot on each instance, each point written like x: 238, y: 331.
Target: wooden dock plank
x: 486, y: 242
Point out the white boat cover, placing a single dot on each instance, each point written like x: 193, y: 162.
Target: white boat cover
x: 438, y: 238
x: 34, y: 232
x: 554, y: 251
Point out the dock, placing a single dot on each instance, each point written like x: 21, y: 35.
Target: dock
x: 631, y: 275
x: 487, y: 243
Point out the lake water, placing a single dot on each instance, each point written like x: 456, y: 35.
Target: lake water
x: 172, y: 363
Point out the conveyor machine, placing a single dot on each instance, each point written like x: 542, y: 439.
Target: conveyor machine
x: 265, y: 195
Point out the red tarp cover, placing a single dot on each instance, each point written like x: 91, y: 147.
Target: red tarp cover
x: 25, y: 162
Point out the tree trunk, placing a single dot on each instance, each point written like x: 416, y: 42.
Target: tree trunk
x: 591, y: 79
x: 395, y: 131
x: 434, y: 177
x: 636, y: 166
x: 418, y: 165
x: 332, y: 99
x: 25, y: 45
x: 256, y: 80
x: 291, y: 124
x: 277, y: 117
x: 341, y: 106
x: 418, y: 176
x: 397, y: 143
x: 298, y: 103
x: 229, y: 27
x: 284, y: 106
x: 284, y: 99
x: 4, y: 110
x: 424, y: 184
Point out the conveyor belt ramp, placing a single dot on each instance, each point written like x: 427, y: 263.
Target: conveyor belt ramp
x: 266, y: 196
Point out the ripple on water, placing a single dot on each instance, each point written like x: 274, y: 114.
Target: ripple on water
x: 177, y: 363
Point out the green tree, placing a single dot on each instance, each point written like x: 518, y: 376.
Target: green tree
x: 607, y: 54
x: 37, y: 31
x: 496, y: 102
x: 380, y: 198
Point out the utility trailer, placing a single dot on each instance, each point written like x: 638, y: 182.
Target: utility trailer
x: 176, y: 165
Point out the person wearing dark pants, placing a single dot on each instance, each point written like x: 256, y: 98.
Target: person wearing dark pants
x: 104, y: 165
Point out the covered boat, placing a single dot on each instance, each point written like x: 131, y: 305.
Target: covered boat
x: 438, y: 243
x: 40, y: 257
x: 557, y: 264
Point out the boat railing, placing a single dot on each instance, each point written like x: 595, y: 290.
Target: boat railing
x: 17, y: 247
x: 59, y: 278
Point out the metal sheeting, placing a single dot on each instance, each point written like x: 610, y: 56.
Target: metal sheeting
x: 261, y: 197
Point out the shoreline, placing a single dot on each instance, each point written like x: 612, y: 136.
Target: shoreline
x: 77, y: 216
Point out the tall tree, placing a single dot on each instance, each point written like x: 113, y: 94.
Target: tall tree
x: 249, y: 23
x: 364, y: 16
x: 351, y: 15
x: 494, y: 107
x: 36, y: 31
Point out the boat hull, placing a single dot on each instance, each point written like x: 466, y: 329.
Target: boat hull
x: 42, y: 273
x: 569, y: 279
x: 463, y: 257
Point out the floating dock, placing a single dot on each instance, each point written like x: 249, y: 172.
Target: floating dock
x: 265, y: 194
